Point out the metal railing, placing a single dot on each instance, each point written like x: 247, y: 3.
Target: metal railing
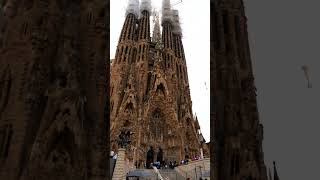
x: 196, y: 172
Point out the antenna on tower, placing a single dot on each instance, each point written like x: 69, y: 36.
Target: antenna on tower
x: 176, y: 3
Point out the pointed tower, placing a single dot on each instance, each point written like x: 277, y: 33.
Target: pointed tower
x: 237, y: 134
x: 125, y: 56
x: 156, y: 35
x: 152, y: 101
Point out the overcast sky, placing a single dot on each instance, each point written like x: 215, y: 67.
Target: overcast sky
x: 195, y: 23
x: 284, y: 35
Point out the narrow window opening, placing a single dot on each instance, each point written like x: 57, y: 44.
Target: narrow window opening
x: 6, y: 152
x: 129, y: 107
x: 237, y: 27
x: 161, y: 89
x: 102, y: 13
x: 111, y: 110
x: 66, y: 112
x: 232, y: 165
x: 89, y: 17
x: 148, y: 83
x: 2, y: 140
x: 225, y: 22
x: 129, y: 30
x: 216, y: 30
x: 6, y: 91
x: 117, y: 53
x: 26, y: 29
x: 120, y: 56
x: 177, y: 72
x: 237, y: 164
x: 63, y: 81
x: 134, y: 55
x: 227, y: 47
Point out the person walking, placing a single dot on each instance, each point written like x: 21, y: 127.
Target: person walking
x: 160, y: 157
x: 150, y: 157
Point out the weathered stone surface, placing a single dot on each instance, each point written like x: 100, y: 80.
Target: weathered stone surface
x: 53, y: 87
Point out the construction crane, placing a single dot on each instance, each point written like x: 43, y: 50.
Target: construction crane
x: 172, y: 4
x: 176, y: 3
x: 305, y: 69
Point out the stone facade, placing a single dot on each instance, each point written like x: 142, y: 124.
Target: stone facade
x: 53, y: 90
x: 236, y: 131
x: 150, y: 95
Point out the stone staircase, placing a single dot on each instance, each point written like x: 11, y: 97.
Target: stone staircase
x: 194, y: 169
x: 149, y: 171
x: 170, y: 174
x: 122, y: 166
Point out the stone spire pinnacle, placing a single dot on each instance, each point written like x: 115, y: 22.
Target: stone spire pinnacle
x: 156, y: 35
x: 166, y: 11
x: 133, y: 7
x: 176, y: 22
x: 145, y: 5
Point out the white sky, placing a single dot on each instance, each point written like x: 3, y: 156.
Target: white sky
x: 195, y: 24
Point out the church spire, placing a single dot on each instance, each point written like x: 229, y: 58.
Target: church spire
x: 144, y: 24
x: 167, y: 36
x: 133, y: 7
x: 275, y: 173
x: 145, y: 5
x: 176, y: 22
x: 156, y: 34
x: 166, y: 11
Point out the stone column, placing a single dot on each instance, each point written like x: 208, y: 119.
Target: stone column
x: 201, y: 153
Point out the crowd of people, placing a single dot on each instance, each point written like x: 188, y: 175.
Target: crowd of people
x: 113, y: 155
x: 160, y: 163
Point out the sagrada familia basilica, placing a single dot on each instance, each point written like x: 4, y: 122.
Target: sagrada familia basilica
x: 150, y: 93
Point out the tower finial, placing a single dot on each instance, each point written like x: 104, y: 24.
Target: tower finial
x: 133, y: 7
x: 176, y: 22
x: 145, y: 5
x: 166, y: 11
x: 156, y: 34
